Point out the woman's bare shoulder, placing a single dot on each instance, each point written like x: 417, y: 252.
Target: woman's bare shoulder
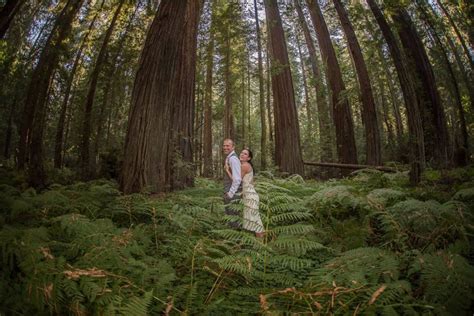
x: 246, y: 167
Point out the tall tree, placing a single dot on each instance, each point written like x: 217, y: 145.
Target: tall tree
x: 458, y: 33
x: 86, y: 127
x: 309, y: 119
x: 287, y: 136
x: 59, y: 144
x: 207, y: 137
x: 415, y: 128
x: 263, y: 139
x: 34, y: 117
x: 7, y: 13
x: 433, y: 117
x: 435, y: 21
x: 369, y: 113
x: 115, y: 64
x: 321, y: 100
x: 229, y: 128
x: 268, y: 100
x: 158, y: 143
x: 345, y: 139
x: 462, y: 150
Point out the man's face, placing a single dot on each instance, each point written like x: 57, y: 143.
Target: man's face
x: 227, y: 147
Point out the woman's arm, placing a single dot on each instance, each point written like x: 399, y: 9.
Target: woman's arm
x: 245, y: 169
x: 227, y: 169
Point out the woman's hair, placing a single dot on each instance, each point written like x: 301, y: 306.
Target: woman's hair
x: 251, y: 157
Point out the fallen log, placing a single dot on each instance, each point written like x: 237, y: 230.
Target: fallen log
x: 348, y: 166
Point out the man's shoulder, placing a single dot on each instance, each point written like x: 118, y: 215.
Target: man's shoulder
x: 234, y: 157
x: 234, y: 161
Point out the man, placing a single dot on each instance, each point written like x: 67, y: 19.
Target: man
x: 232, y: 187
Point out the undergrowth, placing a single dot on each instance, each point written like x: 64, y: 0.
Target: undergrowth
x: 368, y: 244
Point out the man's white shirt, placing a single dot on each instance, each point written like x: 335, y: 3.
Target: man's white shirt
x: 234, y: 164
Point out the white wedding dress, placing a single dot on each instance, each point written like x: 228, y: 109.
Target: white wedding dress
x: 250, y: 199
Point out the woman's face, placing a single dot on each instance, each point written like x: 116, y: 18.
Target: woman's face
x: 244, y: 155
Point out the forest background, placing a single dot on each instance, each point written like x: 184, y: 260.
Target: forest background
x: 104, y: 102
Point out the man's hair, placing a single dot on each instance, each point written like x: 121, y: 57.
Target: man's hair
x: 230, y: 140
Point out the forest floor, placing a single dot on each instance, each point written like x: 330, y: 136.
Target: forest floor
x: 366, y: 244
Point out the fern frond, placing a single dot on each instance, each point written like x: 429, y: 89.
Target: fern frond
x: 295, y: 229
x: 290, y: 217
x: 138, y: 306
x: 295, y: 245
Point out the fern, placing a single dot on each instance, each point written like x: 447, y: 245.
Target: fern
x: 446, y: 280
x: 417, y: 224
x: 385, y: 197
x: 137, y: 306
x: 84, y: 248
x: 295, y: 246
x: 465, y: 195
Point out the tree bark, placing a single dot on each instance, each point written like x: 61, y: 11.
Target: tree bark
x: 369, y: 113
x: 287, y: 136
x: 268, y: 102
x: 345, y: 139
x: 31, y: 137
x: 158, y: 143
x: 85, y: 149
x: 9, y: 131
x: 415, y: 129
x: 468, y: 9
x: 433, y: 117
x: 7, y: 13
x: 349, y: 166
x: 390, y: 135
x: 243, y: 86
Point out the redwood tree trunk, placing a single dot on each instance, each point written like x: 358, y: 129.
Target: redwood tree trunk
x: 31, y: 135
x: 345, y: 139
x: 287, y: 136
x: 9, y: 131
x: 325, y: 138
x: 158, y: 144
x: 58, y: 148
x: 307, y: 107
x: 462, y: 145
x: 415, y: 129
x: 458, y: 33
x: 263, y: 139
x: 7, y: 13
x: 228, y: 115
x: 268, y: 102
x: 369, y: 114
x: 207, y: 138
x: 433, y: 118
x: 115, y: 64
x: 86, y: 127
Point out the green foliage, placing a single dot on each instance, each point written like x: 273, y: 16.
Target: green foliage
x: 446, y: 280
x: 465, y: 195
x: 363, y: 244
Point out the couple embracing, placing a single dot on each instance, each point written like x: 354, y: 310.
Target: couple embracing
x: 238, y: 182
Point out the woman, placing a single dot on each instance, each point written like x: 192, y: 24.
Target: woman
x: 252, y: 220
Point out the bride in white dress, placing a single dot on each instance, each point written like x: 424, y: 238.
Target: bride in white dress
x: 250, y: 199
